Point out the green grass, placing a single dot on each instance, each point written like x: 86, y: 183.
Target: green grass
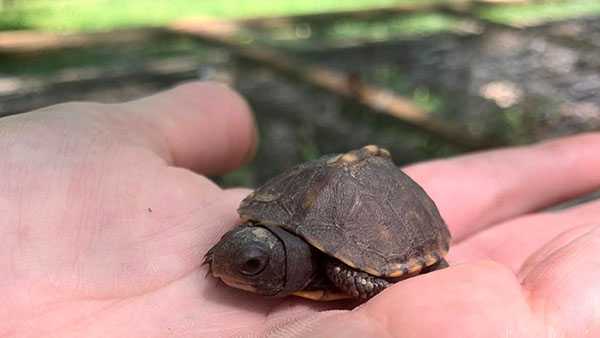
x: 535, y: 13
x: 91, y: 15
x: 77, y: 15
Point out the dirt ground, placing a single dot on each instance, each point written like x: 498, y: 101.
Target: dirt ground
x: 508, y: 85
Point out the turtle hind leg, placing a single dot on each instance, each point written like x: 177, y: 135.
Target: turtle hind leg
x: 321, y: 295
x: 441, y: 264
x: 357, y: 284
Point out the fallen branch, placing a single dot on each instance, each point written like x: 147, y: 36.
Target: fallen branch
x: 356, y: 14
x: 375, y: 97
x: 38, y: 42
x: 35, y: 41
x: 64, y: 88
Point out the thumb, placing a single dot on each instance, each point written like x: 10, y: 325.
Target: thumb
x: 203, y: 126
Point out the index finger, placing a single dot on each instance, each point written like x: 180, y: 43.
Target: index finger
x: 478, y: 190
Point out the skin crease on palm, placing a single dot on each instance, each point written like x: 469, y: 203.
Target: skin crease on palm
x: 106, y: 217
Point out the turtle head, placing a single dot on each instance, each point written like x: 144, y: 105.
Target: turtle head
x: 256, y: 258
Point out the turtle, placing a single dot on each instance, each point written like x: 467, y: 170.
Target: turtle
x: 341, y: 226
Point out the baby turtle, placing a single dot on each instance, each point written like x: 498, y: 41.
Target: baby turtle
x: 342, y: 226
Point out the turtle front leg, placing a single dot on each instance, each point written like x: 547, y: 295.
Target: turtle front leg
x: 355, y: 283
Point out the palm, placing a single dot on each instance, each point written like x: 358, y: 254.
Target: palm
x: 109, y: 240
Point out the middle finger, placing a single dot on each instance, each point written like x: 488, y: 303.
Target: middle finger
x: 479, y: 190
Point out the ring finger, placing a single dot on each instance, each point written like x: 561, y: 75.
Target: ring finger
x: 513, y: 242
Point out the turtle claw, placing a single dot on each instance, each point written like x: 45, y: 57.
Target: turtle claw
x: 207, y: 260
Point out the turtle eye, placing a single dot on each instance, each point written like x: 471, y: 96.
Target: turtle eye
x: 253, y: 261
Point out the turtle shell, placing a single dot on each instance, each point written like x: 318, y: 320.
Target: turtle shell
x: 358, y: 207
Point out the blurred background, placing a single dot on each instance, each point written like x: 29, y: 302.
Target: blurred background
x: 424, y: 79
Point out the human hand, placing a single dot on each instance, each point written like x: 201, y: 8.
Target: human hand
x: 516, y: 271
x: 103, y: 233
x: 103, y: 229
